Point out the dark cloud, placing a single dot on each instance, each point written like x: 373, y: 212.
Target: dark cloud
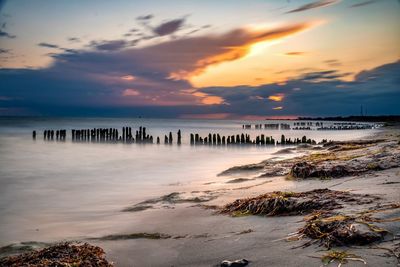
x: 322, y: 75
x: 4, y: 51
x: 169, y: 27
x: 7, y: 35
x: 74, y: 39
x: 113, y: 45
x: 363, y: 3
x: 315, y: 4
x: 145, y: 17
x: 48, y: 45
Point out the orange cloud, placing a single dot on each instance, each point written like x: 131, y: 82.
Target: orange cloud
x: 236, y: 44
x: 128, y: 78
x: 277, y: 97
x: 130, y: 92
x: 209, y: 100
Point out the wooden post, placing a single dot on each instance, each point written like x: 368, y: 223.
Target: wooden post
x: 165, y: 139
x: 179, y: 137
x: 191, y: 139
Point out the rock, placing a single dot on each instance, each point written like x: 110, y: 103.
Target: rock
x: 236, y: 263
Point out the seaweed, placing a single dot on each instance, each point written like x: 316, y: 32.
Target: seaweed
x: 332, y: 229
x: 291, y: 203
x: 342, y: 257
x: 63, y: 254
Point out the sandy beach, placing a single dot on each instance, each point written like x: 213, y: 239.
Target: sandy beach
x: 186, y: 228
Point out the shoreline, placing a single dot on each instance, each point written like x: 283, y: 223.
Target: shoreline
x: 192, y: 235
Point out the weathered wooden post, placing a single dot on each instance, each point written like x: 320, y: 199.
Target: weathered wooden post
x: 191, y: 139
x: 223, y: 140
x: 165, y: 139
x: 34, y: 134
x: 170, y: 138
x: 179, y: 137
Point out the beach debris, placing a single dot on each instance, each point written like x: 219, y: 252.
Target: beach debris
x: 334, y: 229
x: 235, y: 263
x: 334, y: 160
x: 306, y: 170
x: 63, y: 254
x: 341, y: 257
x: 292, y: 203
x: 337, y: 229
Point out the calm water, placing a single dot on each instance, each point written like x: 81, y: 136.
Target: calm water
x: 63, y: 190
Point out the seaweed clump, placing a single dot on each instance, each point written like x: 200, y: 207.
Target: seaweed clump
x: 64, y: 254
x: 340, y: 230
x: 308, y: 170
x: 291, y: 203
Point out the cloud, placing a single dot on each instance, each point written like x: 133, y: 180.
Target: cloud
x: 4, y: 51
x: 145, y: 17
x: 169, y: 27
x: 48, y: 45
x: 74, y: 39
x: 124, y: 80
x: 113, y: 45
x: 377, y: 89
x: 130, y: 92
x: 333, y: 62
x: 295, y: 53
x: 363, y: 3
x: 277, y: 97
x: 7, y: 35
x: 315, y: 4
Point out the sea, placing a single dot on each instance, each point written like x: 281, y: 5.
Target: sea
x: 63, y: 190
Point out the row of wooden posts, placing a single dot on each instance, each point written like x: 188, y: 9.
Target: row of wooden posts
x: 112, y: 135
x: 51, y: 134
x: 108, y: 135
x: 244, y: 139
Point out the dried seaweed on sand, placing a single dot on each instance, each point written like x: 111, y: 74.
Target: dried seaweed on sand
x: 64, y: 254
x: 291, y: 203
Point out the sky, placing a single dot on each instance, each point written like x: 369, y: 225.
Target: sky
x: 224, y: 59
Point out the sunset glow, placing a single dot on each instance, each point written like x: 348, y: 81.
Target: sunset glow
x: 166, y: 59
